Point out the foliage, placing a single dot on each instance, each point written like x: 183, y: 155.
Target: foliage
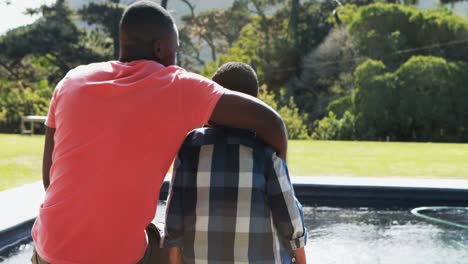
x: 54, y: 36
x: 16, y: 101
x: 327, y: 128
x: 313, y: 62
x: 326, y: 73
x: 269, y: 43
x: 216, y: 28
x: 394, y: 33
x: 424, y: 100
x: 340, y: 106
x: 106, y: 15
x: 35, y: 57
x: 295, y: 121
x: 331, y: 128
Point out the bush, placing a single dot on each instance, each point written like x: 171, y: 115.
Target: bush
x: 340, y: 106
x: 327, y: 128
x: 382, y: 31
x: 295, y: 121
x: 331, y: 128
x: 17, y: 101
x: 423, y: 100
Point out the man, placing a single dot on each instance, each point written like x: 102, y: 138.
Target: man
x: 113, y: 129
x: 231, y: 198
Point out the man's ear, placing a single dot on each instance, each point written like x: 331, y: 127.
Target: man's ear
x: 157, y: 49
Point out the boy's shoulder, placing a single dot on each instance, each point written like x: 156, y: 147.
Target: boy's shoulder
x: 223, y: 135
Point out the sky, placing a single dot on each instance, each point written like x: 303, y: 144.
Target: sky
x: 460, y: 8
x: 12, y: 15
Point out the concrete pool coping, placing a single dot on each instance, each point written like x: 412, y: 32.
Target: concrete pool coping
x: 19, y: 213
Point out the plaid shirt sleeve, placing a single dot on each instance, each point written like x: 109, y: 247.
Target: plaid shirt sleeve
x: 174, y: 230
x: 286, y: 210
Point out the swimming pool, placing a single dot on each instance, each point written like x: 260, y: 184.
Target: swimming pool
x: 364, y: 235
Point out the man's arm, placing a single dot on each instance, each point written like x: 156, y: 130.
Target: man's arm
x: 47, y: 156
x: 243, y: 111
x: 174, y: 228
x: 175, y: 255
x: 300, y: 256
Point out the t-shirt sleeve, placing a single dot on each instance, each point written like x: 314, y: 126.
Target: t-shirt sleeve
x: 199, y: 98
x: 50, y: 120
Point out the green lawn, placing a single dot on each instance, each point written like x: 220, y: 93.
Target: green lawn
x: 20, y: 159
x: 381, y: 159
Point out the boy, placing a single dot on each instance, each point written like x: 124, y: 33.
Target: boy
x: 231, y: 198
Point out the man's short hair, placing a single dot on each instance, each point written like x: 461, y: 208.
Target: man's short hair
x: 237, y: 76
x: 145, y: 20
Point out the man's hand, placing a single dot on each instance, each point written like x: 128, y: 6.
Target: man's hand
x: 47, y: 157
x: 243, y: 111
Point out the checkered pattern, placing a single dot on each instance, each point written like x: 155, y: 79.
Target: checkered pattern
x: 231, y: 201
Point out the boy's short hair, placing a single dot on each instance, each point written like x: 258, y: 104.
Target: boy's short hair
x: 237, y: 76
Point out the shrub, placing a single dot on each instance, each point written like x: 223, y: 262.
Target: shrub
x: 331, y: 128
x: 295, y: 121
x: 17, y: 101
x: 327, y: 128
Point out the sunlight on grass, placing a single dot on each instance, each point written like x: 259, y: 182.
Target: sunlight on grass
x: 426, y: 160
x: 21, y: 157
x: 20, y: 160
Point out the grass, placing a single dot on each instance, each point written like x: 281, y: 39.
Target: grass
x: 20, y: 160
x: 21, y: 157
x: 379, y: 159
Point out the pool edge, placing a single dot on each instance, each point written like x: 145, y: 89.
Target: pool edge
x: 313, y: 194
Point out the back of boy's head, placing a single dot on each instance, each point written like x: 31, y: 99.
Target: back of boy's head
x: 237, y: 76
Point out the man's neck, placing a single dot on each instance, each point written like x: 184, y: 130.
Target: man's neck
x: 135, y: 58
x: 126, y: 56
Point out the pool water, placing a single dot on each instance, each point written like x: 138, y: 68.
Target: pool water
x: 381, y: 236
x: 364, y: 235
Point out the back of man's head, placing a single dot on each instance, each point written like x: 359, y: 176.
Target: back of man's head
x: 143, y: 25
x: 237, y: 76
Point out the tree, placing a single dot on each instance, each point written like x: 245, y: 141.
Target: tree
x: 428, y: 109
x: 294, y: 20
x: 374, y: 102
x: 107, y: 15
x: 277, y: 60
x: 295, y: 121
x: 394, y: 33
x: 55, y: 37
x: 35, y: 57
x: 326, y: 73
x: 423, y: 100
x: 264, y: 22
x: 216, y: 28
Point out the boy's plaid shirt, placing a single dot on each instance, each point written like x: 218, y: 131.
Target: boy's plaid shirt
x: 231, y: 201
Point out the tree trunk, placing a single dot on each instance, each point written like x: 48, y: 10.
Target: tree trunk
x: 294, y: 22
x: 265, y: 28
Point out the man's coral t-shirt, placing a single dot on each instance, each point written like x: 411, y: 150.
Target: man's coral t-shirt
x: 118, y: 128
